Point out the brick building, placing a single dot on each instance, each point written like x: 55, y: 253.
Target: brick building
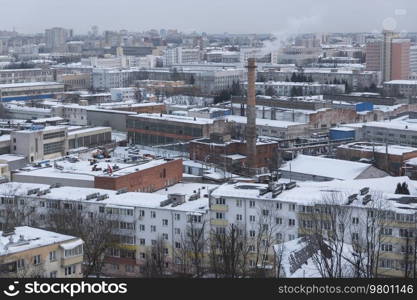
x: 159, y: 129
x: 389, y: 158
x: 232, y: 153
x: 148, y: 177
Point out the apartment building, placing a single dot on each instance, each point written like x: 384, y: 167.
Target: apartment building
x: 276, y: 213
x: 32, y: 252
x: 140, y: 219
x: 401, y: 88
x: 290, y: 89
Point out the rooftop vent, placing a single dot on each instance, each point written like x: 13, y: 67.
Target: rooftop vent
x: 290, y: 185
x: 92, y: 196
x: 364, y: 191
x: 102, y: 197
x: 352, y: 198
x: 366, y: 199
x: 165, y: 202
x: 122, y: 191
x: 33, y: 191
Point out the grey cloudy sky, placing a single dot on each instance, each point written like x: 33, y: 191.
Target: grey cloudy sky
x: 213, y: 16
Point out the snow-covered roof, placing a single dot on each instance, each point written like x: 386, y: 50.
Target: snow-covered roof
x: 125, y: 200
x: 379, y: 148
x: 295, y: 259
x: 26, y: 238
x: 263, y: 122
x: 173, y: 118
x: 310, y: 193
x: 326, y: 167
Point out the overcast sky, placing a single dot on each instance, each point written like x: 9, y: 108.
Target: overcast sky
x: 212, y: 16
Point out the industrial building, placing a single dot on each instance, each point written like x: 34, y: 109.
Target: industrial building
x: 161, y: 129
x: 29, y: 91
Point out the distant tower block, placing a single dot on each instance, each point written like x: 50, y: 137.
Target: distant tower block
x: 251, y: 117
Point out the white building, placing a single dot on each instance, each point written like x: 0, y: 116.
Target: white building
x: 179, y: 55
x: 122, y: 94
x: 142, y: 218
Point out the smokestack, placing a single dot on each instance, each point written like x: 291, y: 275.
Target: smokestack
x: 251, y: 117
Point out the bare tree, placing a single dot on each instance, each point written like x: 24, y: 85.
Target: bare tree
x: 269, y: 229
x: 191, y: 251
x: 228, y: 252
x: 156, y: 263
x: 327, y: 233
x: 375, y: 230
x: 95, y: 229
x: 16, y: 211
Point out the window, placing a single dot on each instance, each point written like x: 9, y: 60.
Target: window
x: 141, y: 213
x: 74, y: 252
x: 252, y: 233
x: 20, y: 264
x: 177, y: 231
x: 153, y: 214
x: 141, y: 227
x: 291, y: 207
x: 219, y: 215
x: 52, y: 256
x: 165, y: 236
x: 239, y: 203
x: 386, y: 247
x: 265, y: 212
x: 406, y: 233
x: 101, y: 209
x: 265, y: 227
x: 70, y: 270
x: 129, y: 268
x: 177, y: 217
x: 252, y: 218
x: 387, y: 263
x: 221, y: 201
x: 307, y: 223
x: 278, y: 221
x: 53, y: 274
x: 279, y: 205
x: 36, y: 260
x: 238, y: 217
x: 291, y: 222
x: 387, y: 231
x: 355, y: 236
x: 164, y: 222
x: 178, y: 245
x: 278, y: 236
x: 153, y: 228
x: 355, y: 221
x: 142, y: 242
x: 251, y: 203
x: 291, y: 237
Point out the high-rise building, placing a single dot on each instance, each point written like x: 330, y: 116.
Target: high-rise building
x: 390, y: 56
x: 413, y: 59
x: 400, y: 59
x: 373, y: 55
x: 56, y: 38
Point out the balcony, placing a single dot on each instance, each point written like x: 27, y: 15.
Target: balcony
x: 219, y: 208
x: 68, y: 261
x: 219, y: 222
